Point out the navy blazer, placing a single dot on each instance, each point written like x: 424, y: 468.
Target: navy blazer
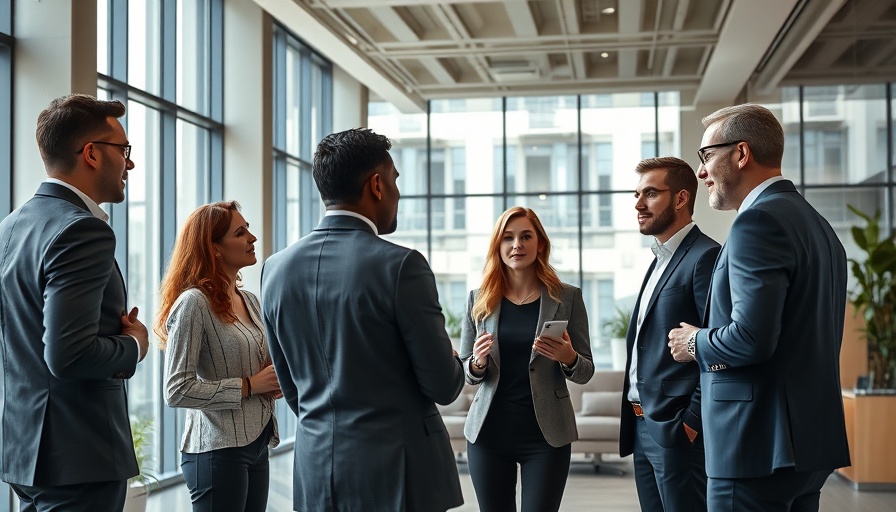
x: 65, y: 413
x: 770, y: 356
x: 358, y: 341
x: 669, y: 390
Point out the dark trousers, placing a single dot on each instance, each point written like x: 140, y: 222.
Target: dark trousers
x: 230, y: 479
x: 88, y: 497
x: 508, y: 439
x: 784, y: 490
x: 669, y: 479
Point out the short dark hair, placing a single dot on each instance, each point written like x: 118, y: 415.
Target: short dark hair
x: 679, y: 175
x: 753, y: 124
x: 344, y: 160
x: 69, y: 123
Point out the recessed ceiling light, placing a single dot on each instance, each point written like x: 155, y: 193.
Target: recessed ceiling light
x: 605, y: 55
x: 608, y: 10
x: 542, y: 196
x: 351, y: 39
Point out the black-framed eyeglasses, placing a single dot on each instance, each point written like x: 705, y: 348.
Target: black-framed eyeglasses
x: 701, y: 153
x: 126, y: 147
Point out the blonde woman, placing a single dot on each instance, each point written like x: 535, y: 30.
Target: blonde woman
x: 522, y: 415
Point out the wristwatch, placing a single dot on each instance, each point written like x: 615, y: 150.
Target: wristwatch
x: 692, y: 344
x: 477, y: 364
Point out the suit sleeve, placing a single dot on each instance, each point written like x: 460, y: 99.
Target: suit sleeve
x: 583, y: 369
x: 183, y: 387
x: 422, y: 327
x: 701, y: 279
x: 77, y: 269
x: 281, y: 365
x: 468, y: 339
x: 760, y: 260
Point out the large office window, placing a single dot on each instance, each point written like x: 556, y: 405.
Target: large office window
x: 162, y: 58
x: 6, y: 45
x: 303, y: 109
x: 569, y: 158
x: 302, y: 116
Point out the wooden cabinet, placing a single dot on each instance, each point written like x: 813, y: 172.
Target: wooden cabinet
x: 870, y: 420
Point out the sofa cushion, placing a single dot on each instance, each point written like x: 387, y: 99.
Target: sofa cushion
x: 597, y: 428
x: 459, y: 407
x: 601, y: 403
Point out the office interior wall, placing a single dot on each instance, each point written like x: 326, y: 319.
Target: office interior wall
x: 248, y: 161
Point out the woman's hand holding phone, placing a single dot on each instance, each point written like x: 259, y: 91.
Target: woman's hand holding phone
x: 555, y: 345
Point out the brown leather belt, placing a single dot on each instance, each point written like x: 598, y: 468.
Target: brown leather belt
x: 637, y: 408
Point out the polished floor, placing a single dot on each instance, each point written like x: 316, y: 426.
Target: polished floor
x: 586, y: 490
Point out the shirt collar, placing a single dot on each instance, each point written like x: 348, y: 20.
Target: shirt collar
x: 754, y: 194
x: 348, y: 213
x: 667, y: 249
x: 91, y: 205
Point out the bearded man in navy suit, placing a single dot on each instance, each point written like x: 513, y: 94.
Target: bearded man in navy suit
x: 661, y: 421
x: 769, y: 355
x: 67, y: 339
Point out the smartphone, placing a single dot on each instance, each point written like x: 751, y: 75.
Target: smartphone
x: 553, y: 328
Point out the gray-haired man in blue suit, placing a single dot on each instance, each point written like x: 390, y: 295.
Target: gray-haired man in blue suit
x: 772, y: 410
x: 661, y: 421
x: 66, y: 338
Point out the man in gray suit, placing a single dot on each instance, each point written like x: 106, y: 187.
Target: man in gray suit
x: 660, y: 421
x: 359, y: 344
x: 773, y: 413
x: 66, y: 338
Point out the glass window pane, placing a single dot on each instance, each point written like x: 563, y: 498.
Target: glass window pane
x: 845, y: 134
x: 408, y: 135
x: 193, y: 157
x: 144, y: 45
x: 412, y: 225
x: 193, y: 36
x: 102, y: 37
x: 144, y: 262
x: 293, y: 113
x: 542, y: 135
x: 473, y: 130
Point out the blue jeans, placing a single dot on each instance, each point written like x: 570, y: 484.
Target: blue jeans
x: 230, y: 479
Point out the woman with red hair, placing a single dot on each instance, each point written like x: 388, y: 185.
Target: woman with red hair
x: 522, y: 414
x: 217, y: 364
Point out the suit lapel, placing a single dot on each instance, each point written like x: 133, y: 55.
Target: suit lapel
x: 547, y: 311
x: 491, y: 325
x: 630, y: 336
x: 723, y: 253
x: 679, y: 255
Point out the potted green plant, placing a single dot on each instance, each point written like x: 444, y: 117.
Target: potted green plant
x: 616, y: 328
x: 140, y: 486
x: 453, y: 324
x: 875, y: 297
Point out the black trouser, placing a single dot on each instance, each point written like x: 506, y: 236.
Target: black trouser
x: 230, y: 479
x: 508, y: 439
x: 785, y: 490
x: 88, y: 497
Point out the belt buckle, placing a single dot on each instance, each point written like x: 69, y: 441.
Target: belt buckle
x: 636, y: 406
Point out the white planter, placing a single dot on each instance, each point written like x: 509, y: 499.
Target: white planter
x: 136, y: 499
x: 618, y: 353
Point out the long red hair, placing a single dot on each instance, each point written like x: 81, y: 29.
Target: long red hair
x: 494, y: 276
x: 194, y: 265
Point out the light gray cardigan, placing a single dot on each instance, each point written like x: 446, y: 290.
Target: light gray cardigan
x: 550, y: 396
x: 205, y: 362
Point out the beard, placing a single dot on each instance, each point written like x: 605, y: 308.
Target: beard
x: 660, y: 221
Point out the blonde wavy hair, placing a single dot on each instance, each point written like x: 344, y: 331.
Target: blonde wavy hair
x: 494, y: 280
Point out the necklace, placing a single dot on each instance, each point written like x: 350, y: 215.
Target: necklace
x: 520, y: 302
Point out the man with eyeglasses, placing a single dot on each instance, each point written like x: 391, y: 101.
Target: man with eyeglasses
x: 772, y: 410
x: 661, y: 422
x: 66, y: 337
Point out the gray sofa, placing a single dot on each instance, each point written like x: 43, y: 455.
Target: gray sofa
x: 597, y: 405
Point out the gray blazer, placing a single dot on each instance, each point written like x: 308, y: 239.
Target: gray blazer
x: 550, y: 396
x: 358, y: 341
x: 65, y: 412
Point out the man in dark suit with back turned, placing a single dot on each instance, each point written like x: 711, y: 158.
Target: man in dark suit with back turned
x: 66, y: 338
x: 661, y: 398
x: 358, y: 341
x: 772, y: 409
